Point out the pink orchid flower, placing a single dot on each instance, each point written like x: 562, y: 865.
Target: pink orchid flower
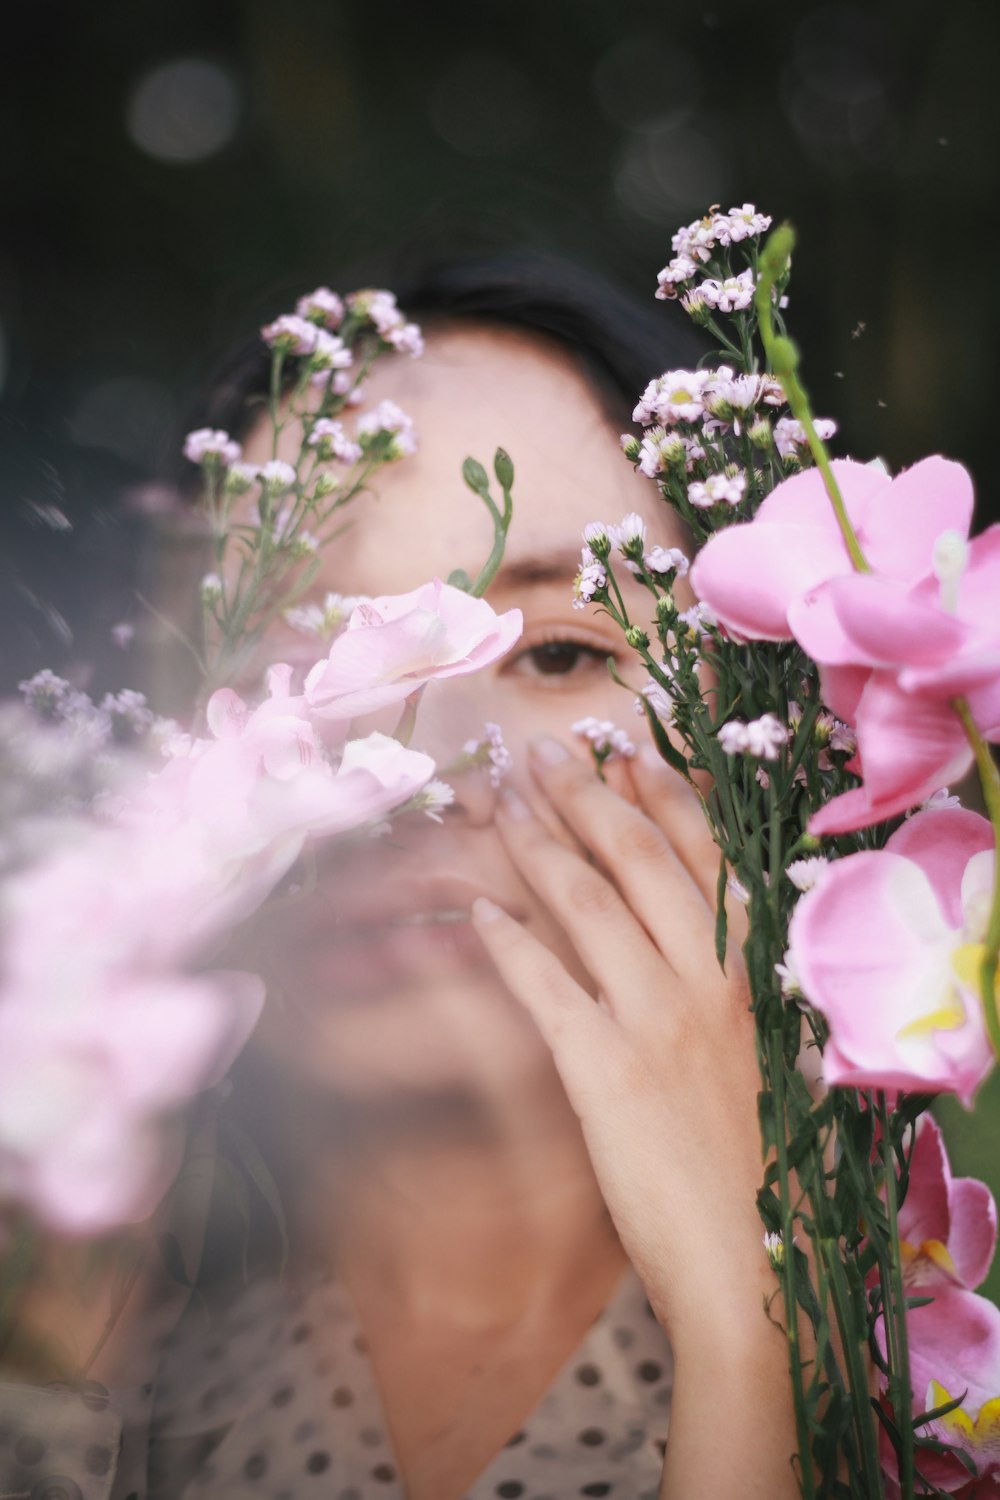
x: 893, y: 657
x: 394, y: 644
x: 265, y: 784
x: 947, y: 1225
x: 887, y: 946
x: 104, y: 1033
x: 954, y: 1345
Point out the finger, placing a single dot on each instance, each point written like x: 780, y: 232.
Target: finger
x: 612, y: 944
x: 674, y: 806
x: 638, y: 854
x: 565, y: 1014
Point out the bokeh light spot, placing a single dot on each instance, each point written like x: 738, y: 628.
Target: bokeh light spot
x: 183, y: 111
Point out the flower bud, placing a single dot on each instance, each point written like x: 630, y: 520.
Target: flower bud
x: 774, y: 1245
x: 760, y: 434
x: 666, y: 609
x: 636, y: 638
x: 325, y: 485
x: 211, y: 588
x: 631, y: 446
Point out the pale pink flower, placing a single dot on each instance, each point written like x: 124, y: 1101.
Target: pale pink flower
x: 387, y: 417
x: 679, y: 270
x: 675, y: 396
x: 666, y: 560
x: 790, y: 436
x: 888, y: 944
x: 658, y: 450
x: 329, y: 437
x: 329, y: 352
x: 605, y: 737
x: 717, y: 489
x: 761, y: 737
x: 291, y: 333
x: 589, y: 581
x: 394, y: 644
x: 806, y: 873
x: 210, y: 445
x: 321, y: 306
x: 740, y: 224
x: 696, y: 240
x: 733, y: 294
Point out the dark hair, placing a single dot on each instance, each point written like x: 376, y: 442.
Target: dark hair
x: 620, y: 341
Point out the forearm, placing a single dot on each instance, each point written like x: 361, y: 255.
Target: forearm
x: 732, y: 1423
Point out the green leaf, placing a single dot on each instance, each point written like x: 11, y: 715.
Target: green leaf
x: 476, y: 477
x: 940, y: 1411
x: 721, y: 918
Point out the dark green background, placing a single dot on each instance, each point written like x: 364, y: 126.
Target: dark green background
x: 360, y: 127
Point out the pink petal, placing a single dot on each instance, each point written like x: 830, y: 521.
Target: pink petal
x: 955, y: 1340
x: 884, y: 623
x: 802, y: 500
x: 749, y: 574
x: 942, y: 840
x: 841, y: 688
x: 973, y: 1230
x: 925, y: 1212
x: 901, y: 527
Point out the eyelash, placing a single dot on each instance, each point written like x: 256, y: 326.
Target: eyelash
x: 593, y: 655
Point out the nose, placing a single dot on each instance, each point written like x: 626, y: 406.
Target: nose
x: 453, y: 714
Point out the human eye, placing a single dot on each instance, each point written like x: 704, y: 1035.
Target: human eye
x: 559, y: 654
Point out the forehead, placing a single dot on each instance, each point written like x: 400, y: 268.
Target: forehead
x: 475, y: 389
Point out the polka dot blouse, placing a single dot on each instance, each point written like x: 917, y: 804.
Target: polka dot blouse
x: 252, y: 1410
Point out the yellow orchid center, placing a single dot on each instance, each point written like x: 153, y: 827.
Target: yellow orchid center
x: 966, y: 964
x: 980, y: 1435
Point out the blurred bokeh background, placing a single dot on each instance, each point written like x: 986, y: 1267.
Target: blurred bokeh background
x: 174, y: 174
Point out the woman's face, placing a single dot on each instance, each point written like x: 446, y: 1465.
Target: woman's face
x: 383, y: 980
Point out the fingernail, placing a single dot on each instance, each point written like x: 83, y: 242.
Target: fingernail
x: 484, y: 910
x: 513, y: 805
x: 548, y: 750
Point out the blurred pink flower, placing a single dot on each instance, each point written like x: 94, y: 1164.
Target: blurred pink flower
x: 893, y: 659
x: 753, y: 575
x: 954, y: 1345
x: 887, y: 946
x: 394, y: 644
x: 947, y: 1225
x: 103, y: 1035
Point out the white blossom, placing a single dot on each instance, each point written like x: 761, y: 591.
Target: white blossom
x: 696, y: 240
x: 730, y: 295
x: 329, y: 437
x: 791, y: 981
x: 321, y: 306
x: 293, y: 334
x: 433, y: 798
x: 760, y: 737
x: 604, y: 736
x: 717, y: 489
x: 330, y: 352
x: 674, y: 396
x: 681, y: 268
x: 804, y: 873
x: 659, y: 700
x: 666, y: 560
x: 590, y: 581
x: 658, y: 450
x: 628, y: 533
x: 208, y: 445
x: 388, y: 417
x: 790, y: 437
x: 740, y: 224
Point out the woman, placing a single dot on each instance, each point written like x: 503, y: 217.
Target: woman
x: 489, y: 1175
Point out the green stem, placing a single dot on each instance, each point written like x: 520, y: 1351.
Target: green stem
x: 899, y: 1375
x: 776, y: 1067
x: 989, y: 780
x: 856, y: 1371
x: 783, y: 358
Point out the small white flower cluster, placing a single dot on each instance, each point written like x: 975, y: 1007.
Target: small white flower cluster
x: 380, y: 308
x: 732, y: 294
x: 790, y: 437
x: 761, y: 737
x: 605, y: 738
x: 325, y: 618
x: 590, y: 580
x: 210, y: 445
x: 293, y: 334
x: 321, y: 306
x: 388, y: 418
x: 666, y: 560
x: 124, y: 717
x: 699, y: 619
x: 491, y: 751
x: 805, y: 873
x: 718, y: 489
x: 693, y: 245
x: 331, y: 441
x: 433, y: 799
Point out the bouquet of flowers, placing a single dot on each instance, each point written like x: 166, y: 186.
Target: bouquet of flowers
x: 839, y: 668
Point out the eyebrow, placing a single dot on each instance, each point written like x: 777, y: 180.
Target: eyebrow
x: 560, y: 566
